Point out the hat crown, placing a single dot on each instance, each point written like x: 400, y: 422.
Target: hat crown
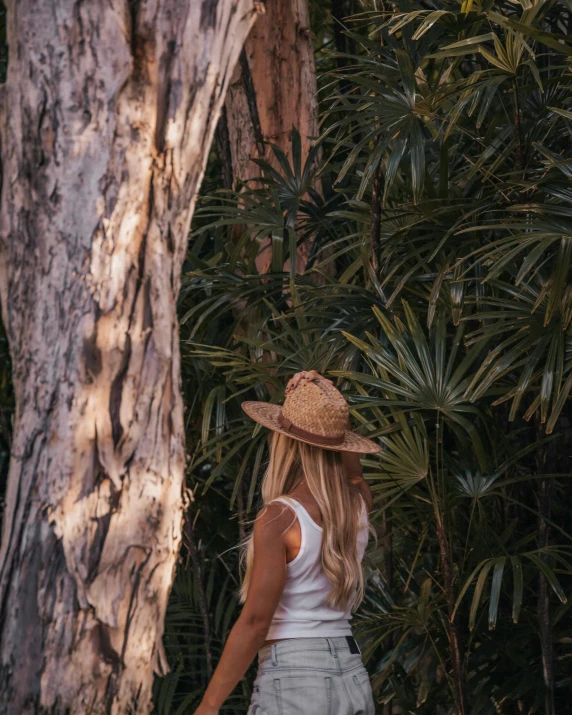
x: 317, y: 407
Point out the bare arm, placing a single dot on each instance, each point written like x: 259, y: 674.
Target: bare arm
x: 266, y: 586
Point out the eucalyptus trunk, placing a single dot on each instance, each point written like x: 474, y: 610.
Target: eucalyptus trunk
x: 106, y: 119
x: 273, y: 89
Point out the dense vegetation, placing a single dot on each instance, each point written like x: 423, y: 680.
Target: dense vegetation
x: 438, y: 293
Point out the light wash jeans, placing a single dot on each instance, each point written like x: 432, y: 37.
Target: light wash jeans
x: 311, y: 676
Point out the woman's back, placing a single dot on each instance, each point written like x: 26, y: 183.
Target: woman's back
x: 302, y: 573
x: 303, y: 610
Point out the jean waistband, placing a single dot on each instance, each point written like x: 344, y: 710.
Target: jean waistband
x: 292, y: 645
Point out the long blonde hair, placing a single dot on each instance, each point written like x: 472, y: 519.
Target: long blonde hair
x: 339, y: 503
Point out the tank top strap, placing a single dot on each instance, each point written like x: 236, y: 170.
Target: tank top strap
x: 303, y: 517
x: 292, y: 503
x: 302, y: 522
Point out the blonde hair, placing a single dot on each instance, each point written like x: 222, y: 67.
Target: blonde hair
x: 340, y: 504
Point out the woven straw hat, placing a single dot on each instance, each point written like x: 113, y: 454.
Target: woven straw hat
x: 313, y: 412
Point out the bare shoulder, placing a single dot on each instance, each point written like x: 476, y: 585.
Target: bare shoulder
x: 273, y: 519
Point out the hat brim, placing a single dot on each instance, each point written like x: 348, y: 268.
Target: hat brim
x: 266, y: 414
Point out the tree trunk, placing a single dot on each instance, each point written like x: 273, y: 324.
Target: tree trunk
x: 273, y: 89
x: 106, y: 119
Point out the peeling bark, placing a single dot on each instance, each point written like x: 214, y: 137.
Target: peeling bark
x: 106, y: 119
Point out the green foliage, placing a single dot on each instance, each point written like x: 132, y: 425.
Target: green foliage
x: 449, y: 330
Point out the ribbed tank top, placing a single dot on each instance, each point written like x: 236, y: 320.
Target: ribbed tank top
x: 302, y: 611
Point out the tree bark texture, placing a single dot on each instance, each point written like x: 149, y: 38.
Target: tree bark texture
x: 273, y: 89
x: 106, y: 119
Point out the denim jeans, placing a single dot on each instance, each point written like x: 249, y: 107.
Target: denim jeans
x: 311, y: 676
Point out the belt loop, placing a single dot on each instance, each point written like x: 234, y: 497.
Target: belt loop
x: 273, y: 653
x: 332, y: 647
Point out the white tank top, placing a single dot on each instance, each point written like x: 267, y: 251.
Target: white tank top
x: 303, y: 611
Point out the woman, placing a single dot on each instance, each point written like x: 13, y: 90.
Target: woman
x: 303, y: 564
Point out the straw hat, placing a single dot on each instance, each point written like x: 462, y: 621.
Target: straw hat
x: 313, y: 412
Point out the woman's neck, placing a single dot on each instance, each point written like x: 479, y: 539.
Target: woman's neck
x: 300, y: 486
